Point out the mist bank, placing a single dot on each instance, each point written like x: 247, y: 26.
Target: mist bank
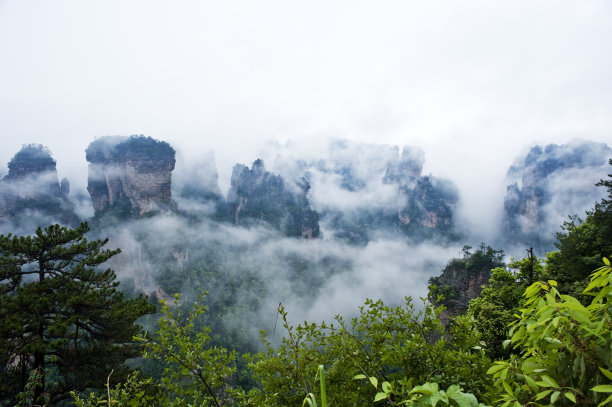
x: 318, y: 229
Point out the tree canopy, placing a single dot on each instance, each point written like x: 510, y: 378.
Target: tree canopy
x: 62, y: 317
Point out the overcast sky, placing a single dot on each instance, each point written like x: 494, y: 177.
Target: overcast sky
x: 471, y: 82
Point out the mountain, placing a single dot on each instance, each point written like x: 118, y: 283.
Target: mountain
x: 546, y: 186
x: 259, y: 195
x: 130, y: 176
x: 31, y: 195
x: 364, y: 192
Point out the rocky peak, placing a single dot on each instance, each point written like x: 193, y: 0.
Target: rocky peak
x: 407, y: 167
x: 31, y: 194
x: 548, y: 184
x: 261, y: 196
x: 32, y: 160
x: 130, y: 176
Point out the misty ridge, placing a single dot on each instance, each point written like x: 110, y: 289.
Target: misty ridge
x: 318, y: 229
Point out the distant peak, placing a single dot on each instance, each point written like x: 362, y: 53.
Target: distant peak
x: 32, y: 159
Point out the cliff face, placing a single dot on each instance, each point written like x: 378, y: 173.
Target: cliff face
x: 422, y: 210
x: 257, y: 194
x: 546, y: 186
x: 130, y: 176
x: 30, y: 194
x: 429, y: 206
x: 462, y: 280
x: 365, y: 191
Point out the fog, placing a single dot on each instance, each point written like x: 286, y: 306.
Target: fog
x: 471, y: 83
x: 466, y: 86
x: 265, y: 261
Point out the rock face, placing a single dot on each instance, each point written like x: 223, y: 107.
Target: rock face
x: 30, y: 194
x: 259, y: 195
x: 130, y: 176
x: 404, y: 200
x: 462, y: 280
x: 429, y: 201
x: 546, y: 186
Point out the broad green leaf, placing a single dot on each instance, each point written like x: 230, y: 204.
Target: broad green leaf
x: 543, y: 394
x: 554, y: 397
x: 359, y: 376
x: 386, y: 386
x: 531, y: 383
x: 463, y: 399
x: 605, y: 402
x: 603, y: 388
x: 550, y: 381
x: 380, y: 396
x: 427, y: 388
x: 374, y: 382
x: 508, y: 388
x: 495, y: 368
x: 570, y: 396
x: 606, y: 372
x: 606, y: 261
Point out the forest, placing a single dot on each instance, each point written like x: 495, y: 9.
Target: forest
x: 539, y: 332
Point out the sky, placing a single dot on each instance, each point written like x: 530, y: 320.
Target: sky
x: 472, y: 83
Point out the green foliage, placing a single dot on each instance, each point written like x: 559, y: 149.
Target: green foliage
x: 195, y: 372
x: 60, y: 315
x: 394, y: 343
x: 494, y: 309
x: 117, y: 148
x: 35, y: 157
x: 136, y: 391
x: 27, y: 396
x: 449, y: 289
x: 310, y: 398
x: 565, y: 347
x: 426, y: 395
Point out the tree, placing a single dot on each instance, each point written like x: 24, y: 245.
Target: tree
x: 196, y: 373
x: 61, y: 316
x: 399, y: 345
x: 564, y: 347
x: 500, y: 301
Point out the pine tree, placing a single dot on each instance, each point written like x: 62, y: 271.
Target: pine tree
x: 60, y: 316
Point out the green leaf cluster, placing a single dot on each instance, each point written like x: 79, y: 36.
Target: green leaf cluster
x: 399, y: 344
x: 565, y: 347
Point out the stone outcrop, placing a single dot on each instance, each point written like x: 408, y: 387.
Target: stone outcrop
x: 365, y: 191
x: 429, y: 205
x: 130, y: 176
x: 259, y: 195
x: 462, y: 280
x: 547, y: 185
x: 31, y: 195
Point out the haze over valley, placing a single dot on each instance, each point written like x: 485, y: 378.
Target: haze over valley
x: 427, y: 176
